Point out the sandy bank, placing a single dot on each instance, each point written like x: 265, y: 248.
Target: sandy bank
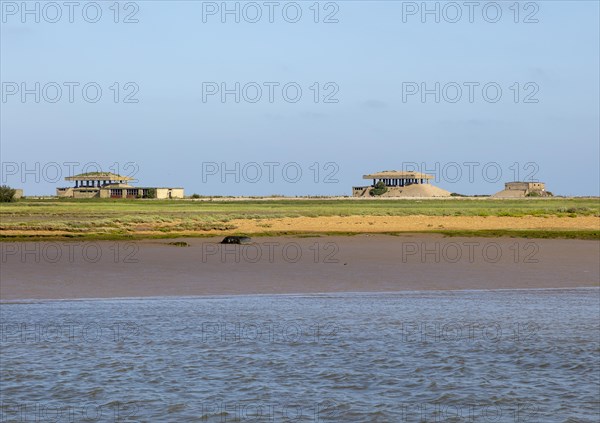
x: 339, y: 224
x: 362, y: 224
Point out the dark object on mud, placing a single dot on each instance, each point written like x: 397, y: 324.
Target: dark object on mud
x: 179, y: 244
x: 236, y: 240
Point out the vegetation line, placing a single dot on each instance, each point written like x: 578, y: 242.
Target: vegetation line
x: 29, y: 219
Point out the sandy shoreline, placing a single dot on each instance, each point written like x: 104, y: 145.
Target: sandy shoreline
x: 288, y: 265
x: 341, y: 224
x: 362, y: 224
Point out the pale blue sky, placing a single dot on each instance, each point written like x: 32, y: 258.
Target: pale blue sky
x: 368, y: 54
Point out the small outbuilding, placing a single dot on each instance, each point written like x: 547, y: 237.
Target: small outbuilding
x: 523, y: 189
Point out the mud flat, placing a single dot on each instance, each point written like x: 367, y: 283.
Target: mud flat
x: 283, y: 265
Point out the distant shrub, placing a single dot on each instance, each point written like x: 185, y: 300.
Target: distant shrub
x: 534, y: 194
x: 150, y: 193
x: 379, y: 189
x: 195, y: 195
x: 576, y: 209
x: 7, y: 194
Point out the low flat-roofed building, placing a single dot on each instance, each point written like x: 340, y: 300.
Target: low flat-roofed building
x: 400, y: 184
x: 110, y: 185
x: 522, y: 189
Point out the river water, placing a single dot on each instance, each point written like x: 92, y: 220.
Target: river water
x: 460, y: 356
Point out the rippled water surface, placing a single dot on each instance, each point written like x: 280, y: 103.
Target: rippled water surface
x: 503, y: 356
